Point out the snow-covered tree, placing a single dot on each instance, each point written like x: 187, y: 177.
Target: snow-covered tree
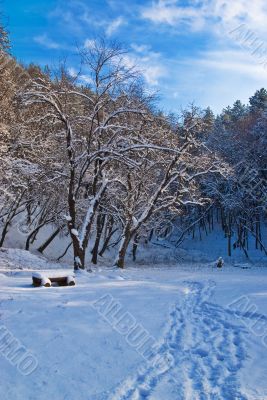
x: 4, y: 39
x: 258, y: 102
x: 92, y: 123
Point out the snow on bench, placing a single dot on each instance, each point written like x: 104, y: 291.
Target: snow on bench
x: 39, y: 279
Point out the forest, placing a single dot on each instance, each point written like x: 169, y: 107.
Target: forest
x: 98, y: 161
x: 133, y: 200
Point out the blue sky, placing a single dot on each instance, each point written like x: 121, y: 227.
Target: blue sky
x: 187, y: 50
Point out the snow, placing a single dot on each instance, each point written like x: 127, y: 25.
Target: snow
x: 53, y: 274
x: 78, y: 260
x: 208, y: 248
x: 38, y: 275
x: 70, y: 279
x: 90, y: 210
x: 214, y: 244
x: 75, y: 232
x: 16, y: 259
x: 46, y: 281
x: 210, y: 342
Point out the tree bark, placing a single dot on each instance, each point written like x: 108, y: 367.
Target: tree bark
x: 34, y: 232
x: 49, y: 240
x: 65, y: 252
x: 11, y: 214
x: 125, y: 240
x: 99, y: 229
x: 79, y: 255
x: 106, y: 241
x: 135, y: 246
x: 229, y: 236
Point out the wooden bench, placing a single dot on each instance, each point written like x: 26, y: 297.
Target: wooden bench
x: 42, y: 280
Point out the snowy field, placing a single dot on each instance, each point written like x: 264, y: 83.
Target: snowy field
x: 186, y: 332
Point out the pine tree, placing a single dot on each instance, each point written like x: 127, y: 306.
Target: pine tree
x: 208, y: 119
x: 258, y: 102
x: 238, y: 110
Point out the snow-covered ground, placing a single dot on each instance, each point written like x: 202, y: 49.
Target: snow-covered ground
x: 168, y: 333
x: 205, y: 247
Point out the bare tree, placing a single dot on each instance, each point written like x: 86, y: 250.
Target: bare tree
x: 94, y: 121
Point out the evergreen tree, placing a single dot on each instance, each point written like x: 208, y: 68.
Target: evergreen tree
x: 258, y: 102
x: 238, y: 110
x: 208, y: 119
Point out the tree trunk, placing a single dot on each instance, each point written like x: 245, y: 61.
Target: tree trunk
x: 65, y: 251
x: 257, y: 234
x: 106, y: 242
x: 229, y: 235
x: 11, y: 214
x: 99, y: 229
x: 135, y: 246
x: 4, y: 233
x: 49, y: 240
x: 108, y: 235
x: 79, y: 255
x: 35, y: 231
x: 125, y: 240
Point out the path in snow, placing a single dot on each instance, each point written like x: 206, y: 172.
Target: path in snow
x: 203, y: 346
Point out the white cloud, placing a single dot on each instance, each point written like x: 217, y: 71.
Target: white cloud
x: 208, y: 14
x: 148, y: 62
x: 140, y: 48
x: 72, y: 72
x: 233, y: 61
x: 81, y: 78
x: 115, y: 25
x: 45, y: 41
x: 213, y: 78
x: 253, y: 13
x: 232, y: 68
x: 168, y: 12
x: 152, y: 74
x: 86, y: 79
